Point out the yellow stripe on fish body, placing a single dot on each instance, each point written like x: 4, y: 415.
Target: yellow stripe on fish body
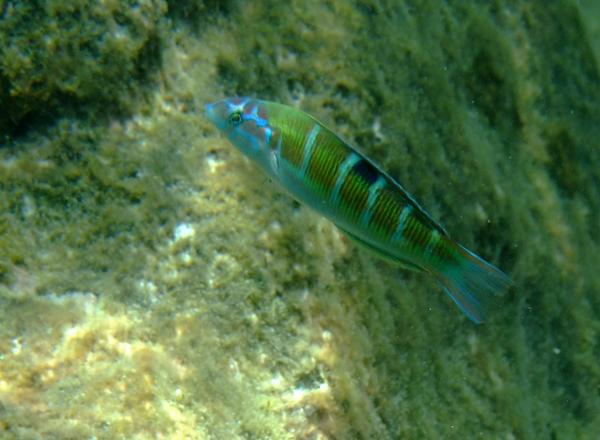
x: 321, y: 170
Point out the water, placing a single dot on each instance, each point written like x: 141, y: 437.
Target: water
x: 153, y: 282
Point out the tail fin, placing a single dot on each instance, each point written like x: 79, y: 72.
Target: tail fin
x: 472, y: 282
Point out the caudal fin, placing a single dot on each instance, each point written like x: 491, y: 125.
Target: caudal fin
x: 472, y: 282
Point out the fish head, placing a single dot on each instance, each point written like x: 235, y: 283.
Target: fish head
x: 245, y: 123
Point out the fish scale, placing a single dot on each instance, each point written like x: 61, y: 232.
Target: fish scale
x: 321, y: 170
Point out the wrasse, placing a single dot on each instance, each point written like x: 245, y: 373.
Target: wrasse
x: 321, y: 170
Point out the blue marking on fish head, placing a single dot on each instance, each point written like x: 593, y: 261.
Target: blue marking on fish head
x: 244, y: 122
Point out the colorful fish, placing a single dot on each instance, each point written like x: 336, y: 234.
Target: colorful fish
x: 321, y: 170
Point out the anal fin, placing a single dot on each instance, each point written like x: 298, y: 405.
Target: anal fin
x: 381, y: 252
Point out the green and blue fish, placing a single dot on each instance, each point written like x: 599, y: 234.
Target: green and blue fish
x: 321, y: 170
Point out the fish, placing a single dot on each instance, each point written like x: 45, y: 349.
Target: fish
x: 319, y: 169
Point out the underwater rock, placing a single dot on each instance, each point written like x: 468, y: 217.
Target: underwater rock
x: 153, y: 283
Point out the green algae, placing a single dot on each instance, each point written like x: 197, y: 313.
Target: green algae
x: 70, y: 57
x: 590, y: 10
x: 153, y: 283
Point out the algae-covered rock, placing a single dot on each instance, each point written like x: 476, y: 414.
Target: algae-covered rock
x: 60, y: 57
x: 154, y: 284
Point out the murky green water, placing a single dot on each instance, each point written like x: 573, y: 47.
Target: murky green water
x: 154, y: 283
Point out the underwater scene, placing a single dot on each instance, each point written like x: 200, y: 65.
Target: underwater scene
x: 320, y: 220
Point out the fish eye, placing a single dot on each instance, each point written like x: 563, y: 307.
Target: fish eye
x: 235, y: 118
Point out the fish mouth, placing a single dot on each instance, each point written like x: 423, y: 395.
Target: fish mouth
x: 209, y: 111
